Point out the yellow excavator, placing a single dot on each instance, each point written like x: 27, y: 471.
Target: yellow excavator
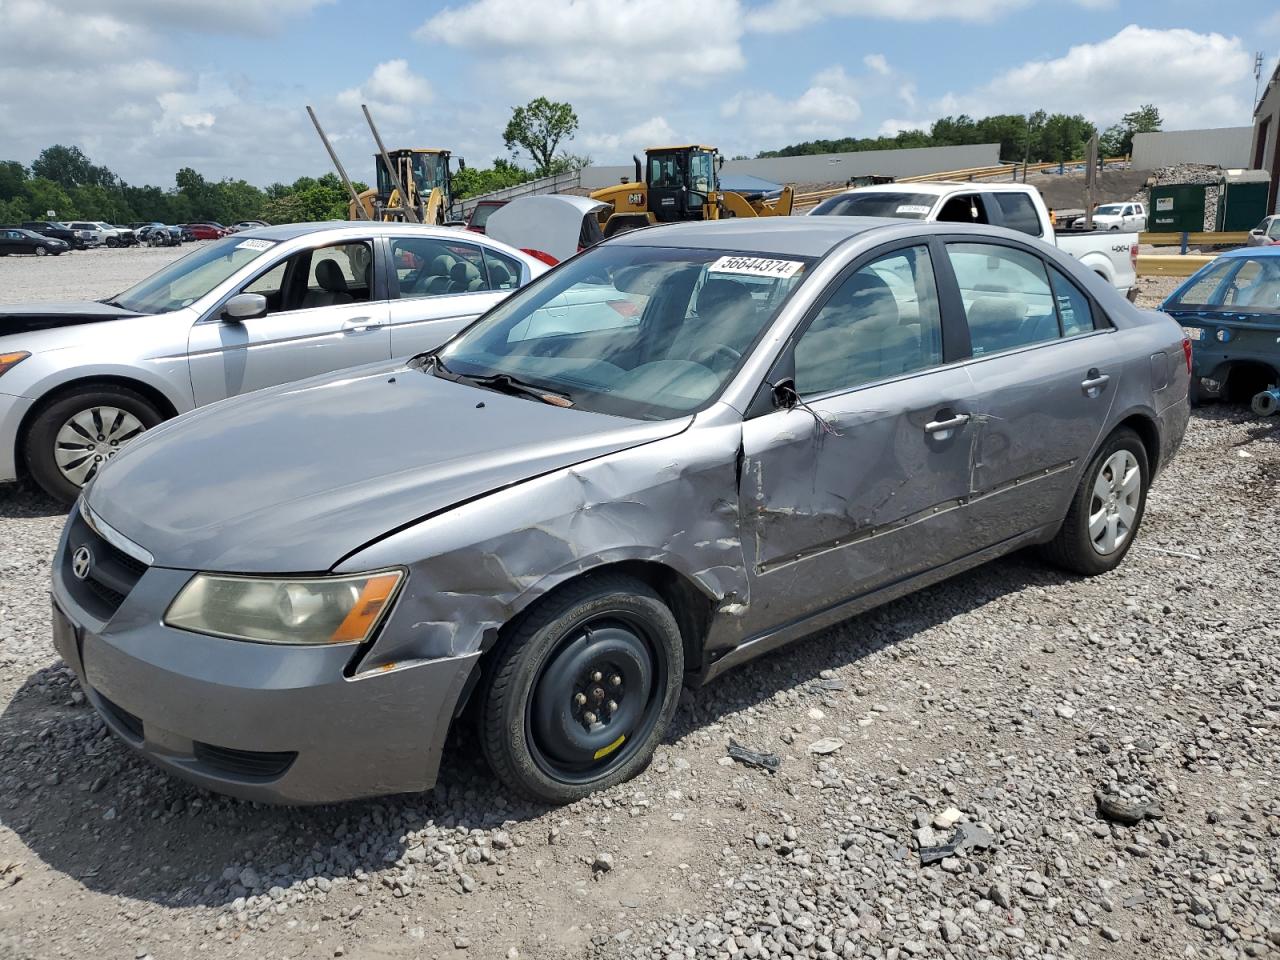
x: 681, y: 183
x: 427, y: 178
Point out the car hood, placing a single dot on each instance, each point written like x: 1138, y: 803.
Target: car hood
x: 295, y: 478
x: 25, y: 317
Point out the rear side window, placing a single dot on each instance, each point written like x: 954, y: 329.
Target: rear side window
x: 1019, y: 213
x: 434, y: 267
x: 1074, y: 311
x: 504, y: 271
x: 966, y: 208
x: 1006, y: 294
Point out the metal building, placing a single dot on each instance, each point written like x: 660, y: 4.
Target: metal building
x: 1266, y: 137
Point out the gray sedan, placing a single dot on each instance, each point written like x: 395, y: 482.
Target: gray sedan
x: 262, y: 307
x: 681, y: 449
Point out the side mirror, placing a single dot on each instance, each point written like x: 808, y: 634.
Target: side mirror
x: 462, y: 164
x: 720, y: 161
x: 244, y: 306
x: 784, y: 394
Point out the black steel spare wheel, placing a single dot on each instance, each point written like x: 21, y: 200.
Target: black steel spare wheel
x: 581, y: 692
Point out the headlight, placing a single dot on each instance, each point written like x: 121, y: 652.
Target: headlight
x: 299, y: 611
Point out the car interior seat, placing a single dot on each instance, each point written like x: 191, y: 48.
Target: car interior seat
x: 464, y: 277
x: 995, y: 323
x: 333, y: 286
x: 724, y: 317
x: 856, y: 338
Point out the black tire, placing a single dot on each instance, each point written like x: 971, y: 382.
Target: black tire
x: 1195, y: 395
x: 41, y: 437
x: 1073, y: 548
x: 534, y: 732
x: 112, y: 242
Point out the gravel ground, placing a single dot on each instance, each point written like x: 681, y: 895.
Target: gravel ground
x: 1098, y: 759
x: 81, y: 274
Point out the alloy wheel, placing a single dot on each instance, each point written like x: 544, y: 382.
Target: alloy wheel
x: 1113, y: 506
x: 91, y: 438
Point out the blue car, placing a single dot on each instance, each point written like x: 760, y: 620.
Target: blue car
x: 1230, y: 310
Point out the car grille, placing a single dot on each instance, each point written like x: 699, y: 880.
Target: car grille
x: 244, y: 764
x: 112, y: 574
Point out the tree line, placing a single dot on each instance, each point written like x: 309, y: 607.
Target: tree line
x: 1037, y: 137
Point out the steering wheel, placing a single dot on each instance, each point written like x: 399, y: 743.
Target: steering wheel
x: 707, y: 355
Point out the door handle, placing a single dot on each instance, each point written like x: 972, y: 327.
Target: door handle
x: 1093, y: 383
x: 942, y: 426
x: 359, y: 324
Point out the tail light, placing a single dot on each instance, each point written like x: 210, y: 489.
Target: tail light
x: 1133, y: 254
x: 545, y: 257
x: 1186, y: 352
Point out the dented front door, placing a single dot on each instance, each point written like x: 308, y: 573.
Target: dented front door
x: 875, y: 496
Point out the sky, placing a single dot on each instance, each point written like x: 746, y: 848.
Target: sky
x: 148, y: 86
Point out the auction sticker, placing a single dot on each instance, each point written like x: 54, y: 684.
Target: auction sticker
x: 919, y: 208
x: 255, y: 244
x: 756, y: 267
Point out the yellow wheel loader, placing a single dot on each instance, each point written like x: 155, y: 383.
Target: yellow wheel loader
x: 681, y: 183
x: 427, y: 179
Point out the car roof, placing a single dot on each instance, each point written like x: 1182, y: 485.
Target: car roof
x: 938, y: 188
x: 797, y: 236
x: 1252, y: 252
x: 291, y: 231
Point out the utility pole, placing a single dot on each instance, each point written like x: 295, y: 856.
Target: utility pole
x: 1257, y: 76
x: 1090, y: 179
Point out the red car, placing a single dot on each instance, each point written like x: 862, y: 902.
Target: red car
x: 205, y: 231
x: 480, y: 215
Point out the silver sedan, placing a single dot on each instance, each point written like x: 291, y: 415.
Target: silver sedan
x: 259, y: 308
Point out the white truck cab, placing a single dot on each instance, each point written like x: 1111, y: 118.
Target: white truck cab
x: 1112, y: 254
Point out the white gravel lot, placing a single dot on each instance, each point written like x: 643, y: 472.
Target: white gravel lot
x: 1003, y: 700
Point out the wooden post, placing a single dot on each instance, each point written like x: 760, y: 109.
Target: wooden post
x: 355, y: 197
x: 1091, y: 179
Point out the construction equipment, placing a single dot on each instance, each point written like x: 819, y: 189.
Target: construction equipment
x: 681, y: 183
x: 413, y: 184
x: 424, y: 175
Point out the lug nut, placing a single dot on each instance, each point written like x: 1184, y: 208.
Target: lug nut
x: 597, y: 677
x: 580, y: 698
x: 615, y: 680
x: 589, y: 717
x: 612, y: 705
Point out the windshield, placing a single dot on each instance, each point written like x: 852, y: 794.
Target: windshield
x: 1249, y: 284
x: 187, y: 280
x: 480, y: 215
x: 876, y: 203
x: 648, y: 333
x: 1109, y: 210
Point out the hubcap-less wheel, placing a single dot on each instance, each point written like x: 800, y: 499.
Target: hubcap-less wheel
x: 91, y: 438
x: 1113, y: 508
x: 598, y: 694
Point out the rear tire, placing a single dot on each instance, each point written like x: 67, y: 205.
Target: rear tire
x: 1107, y: 508
x: 52, y: 438
x: 580, y: 693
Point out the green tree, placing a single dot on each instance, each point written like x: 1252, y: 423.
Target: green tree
x: 538, y: 128
x: 43, y: 195
x: 474, y: 181
x: 1117, y: 141
x: 12, y: 176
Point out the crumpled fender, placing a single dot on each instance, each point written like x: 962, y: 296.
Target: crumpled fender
x: 476, y: 566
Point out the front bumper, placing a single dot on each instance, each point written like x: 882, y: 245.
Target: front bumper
x: 12, y: 410
x: 263, y: 722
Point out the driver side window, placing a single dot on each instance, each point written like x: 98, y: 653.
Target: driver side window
x: 881, y: 322
x: 324, y: 277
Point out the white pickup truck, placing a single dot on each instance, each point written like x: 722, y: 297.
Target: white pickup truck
x: 1111, y: 254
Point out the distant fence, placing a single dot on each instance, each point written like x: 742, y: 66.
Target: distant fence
x: 556, y: 183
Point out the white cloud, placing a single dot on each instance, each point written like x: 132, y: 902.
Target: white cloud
x: 655, y: 131
x: 794, y: 14
x: 1195, y: 79
x: 392, y: 90
x: 219, y: 16
x: 876, y: 63
x: 593, y: 50
x: 828, y: 107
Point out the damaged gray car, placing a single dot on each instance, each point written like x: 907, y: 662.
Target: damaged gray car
x: 676, y: 451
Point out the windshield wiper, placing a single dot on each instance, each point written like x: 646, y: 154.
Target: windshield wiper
x: 498, y: 382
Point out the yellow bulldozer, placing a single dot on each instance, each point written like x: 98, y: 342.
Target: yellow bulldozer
x: 427, y: 178
x: 681, y: 183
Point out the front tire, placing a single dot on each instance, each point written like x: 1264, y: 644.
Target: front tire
x: 74, y: 435
x: 580, y: 693
x: 41, y: 252
x: 1107, y: 508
